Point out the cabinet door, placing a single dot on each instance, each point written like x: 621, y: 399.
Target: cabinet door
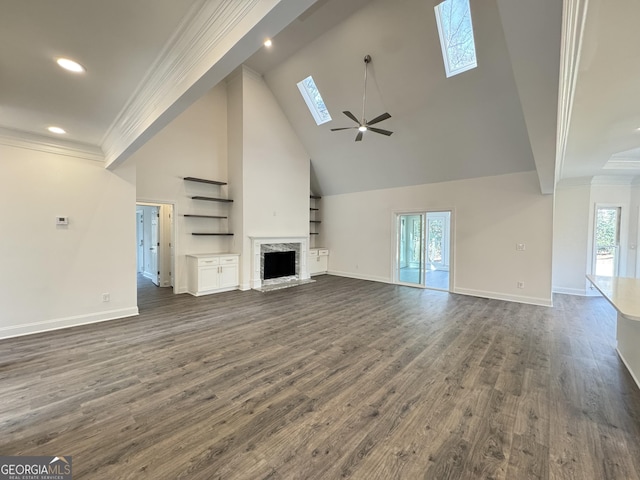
x: 313, y: 264
x: 228, y: 276
x: 208, y: 278
x: 323, y: 263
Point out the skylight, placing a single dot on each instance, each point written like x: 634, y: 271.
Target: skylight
x: 456, y: 36
x: 314, y: 101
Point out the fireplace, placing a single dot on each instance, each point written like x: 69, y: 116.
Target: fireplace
x: 278, y: 260
x: 279, y: 264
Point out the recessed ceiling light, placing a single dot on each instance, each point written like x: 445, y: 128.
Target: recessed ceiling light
x: 58, y: 130
x: 70, y: 65
x: 268, y: 42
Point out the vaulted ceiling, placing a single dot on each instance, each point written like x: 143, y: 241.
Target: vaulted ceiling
x: 148, y: 60
x: 470, y: 125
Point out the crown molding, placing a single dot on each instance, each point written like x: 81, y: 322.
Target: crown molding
x: 574, y: 17
x: 186, y: 57
x: 42, y: 143
x: 621, y: 163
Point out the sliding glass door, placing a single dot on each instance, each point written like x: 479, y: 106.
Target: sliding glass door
x: 423, y: 256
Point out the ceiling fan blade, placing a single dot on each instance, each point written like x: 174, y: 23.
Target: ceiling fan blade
x: 359, y: 137
x: 343, y: 128
x: 379, y: 118
x: 379, y: 130
x: 351, y: 116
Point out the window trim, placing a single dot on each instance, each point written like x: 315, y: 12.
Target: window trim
x: 311, y: 105
x: 445, y: 54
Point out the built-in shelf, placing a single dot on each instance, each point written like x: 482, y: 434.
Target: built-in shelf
x: 314, y: 221
x: 204, y: 180
x: 212, y: 234
x: 213, y: 199
x: 209, y: 199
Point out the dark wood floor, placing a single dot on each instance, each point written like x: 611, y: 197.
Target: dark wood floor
x: 337, y: 379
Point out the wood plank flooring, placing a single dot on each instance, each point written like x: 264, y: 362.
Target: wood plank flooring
x: 337, y: 379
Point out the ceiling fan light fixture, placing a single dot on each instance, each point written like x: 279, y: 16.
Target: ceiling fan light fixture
x: 70, y: 65
x: 363, y: 124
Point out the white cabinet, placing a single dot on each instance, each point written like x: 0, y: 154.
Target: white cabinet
x: 318, y: 261
x: 212, y: 273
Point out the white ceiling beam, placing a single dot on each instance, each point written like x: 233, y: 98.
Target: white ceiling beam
x: 215, y: 38
x: 533, y: 31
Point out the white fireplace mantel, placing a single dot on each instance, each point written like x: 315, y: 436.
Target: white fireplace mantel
x: 258, y: 242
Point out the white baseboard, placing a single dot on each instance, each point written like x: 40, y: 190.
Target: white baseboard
x: 59, y: 323
x: 543, y: 302
x: 570, y: 291
x: 359, y: 277
x: 244, y: 287
x: 626, y: 364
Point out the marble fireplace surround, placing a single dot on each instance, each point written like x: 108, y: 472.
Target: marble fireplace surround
x: 261, y: 245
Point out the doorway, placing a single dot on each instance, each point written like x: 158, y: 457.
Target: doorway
x: 606, y: 245
x: 424, y: 249
x: 155, y: 243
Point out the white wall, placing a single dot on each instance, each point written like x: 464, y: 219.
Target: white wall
x: 491, y: 215
x: 275, y: 169
x: 54, y: 276
x: 573, y: 232
x: 570, y: 239
x: 193, y: 145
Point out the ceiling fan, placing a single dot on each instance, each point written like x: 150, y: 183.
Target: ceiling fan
x: 364, y: 125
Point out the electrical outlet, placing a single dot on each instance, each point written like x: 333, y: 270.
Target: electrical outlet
x: 106, y: 297
x: 520, y: 247
x: 520, y: 284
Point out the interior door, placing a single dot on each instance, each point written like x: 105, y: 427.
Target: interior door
x: 410, y: 249
x: 153, y: 248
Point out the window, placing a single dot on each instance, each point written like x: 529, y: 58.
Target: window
x: 314, y: 101
x: 456, y: 36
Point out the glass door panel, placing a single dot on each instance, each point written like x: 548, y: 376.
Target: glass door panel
x: 607, y: 241
x: 410, y: 249
x: 437, y: 259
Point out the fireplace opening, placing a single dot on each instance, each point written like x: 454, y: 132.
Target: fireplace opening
x: 279, y: 264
